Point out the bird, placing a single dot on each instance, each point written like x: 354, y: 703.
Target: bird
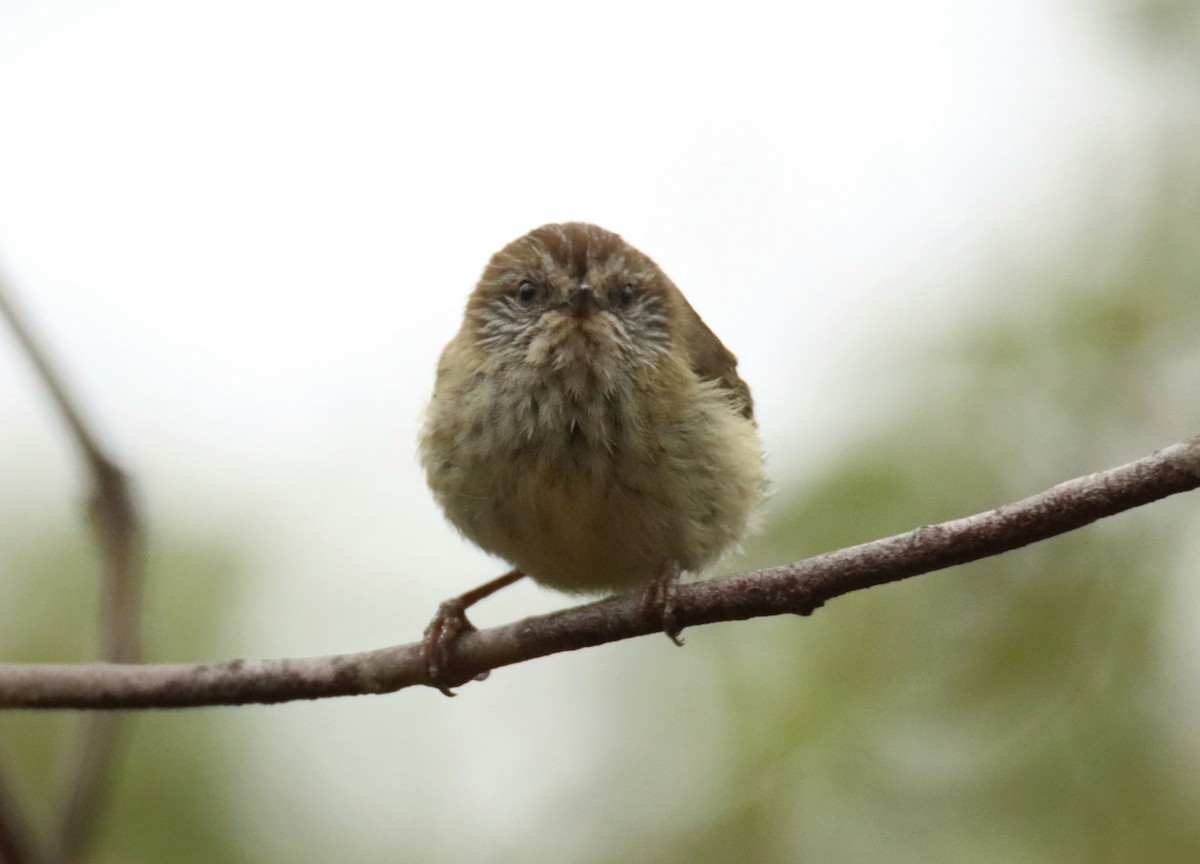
x: 588, y: 428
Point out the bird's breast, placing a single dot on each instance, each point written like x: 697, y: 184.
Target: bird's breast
x: 588, y: 481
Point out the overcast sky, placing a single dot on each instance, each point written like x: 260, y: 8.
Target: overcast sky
x: 240, y: 222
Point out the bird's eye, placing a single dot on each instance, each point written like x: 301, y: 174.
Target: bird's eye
x: 526, y: 293
x: 626, y: 294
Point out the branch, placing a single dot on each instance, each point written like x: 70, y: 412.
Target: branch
x: 110, y: 504
x: 797, y: 588
x: 15, y: 846
x: 118, y: 535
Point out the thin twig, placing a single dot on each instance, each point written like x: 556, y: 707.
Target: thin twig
x: 91, y: 767
x: 118, y: 536
x: 15, y: 846
x: 796, y: 588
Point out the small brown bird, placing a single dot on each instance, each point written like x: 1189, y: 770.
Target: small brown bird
x: 587, y: 427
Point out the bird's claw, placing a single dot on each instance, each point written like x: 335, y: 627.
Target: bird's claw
x: 447, y: 625
x: 658, y: 601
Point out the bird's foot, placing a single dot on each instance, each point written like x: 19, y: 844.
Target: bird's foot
x: 658, y: 601
x: 449, y: 623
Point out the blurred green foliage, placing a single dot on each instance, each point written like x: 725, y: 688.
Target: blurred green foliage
x: 1020, y: 708
x: 165, y: 802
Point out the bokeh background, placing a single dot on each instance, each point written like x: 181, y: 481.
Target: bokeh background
x: 956, y: 246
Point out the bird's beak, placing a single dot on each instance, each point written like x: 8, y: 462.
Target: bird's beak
x: 581, y: 301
